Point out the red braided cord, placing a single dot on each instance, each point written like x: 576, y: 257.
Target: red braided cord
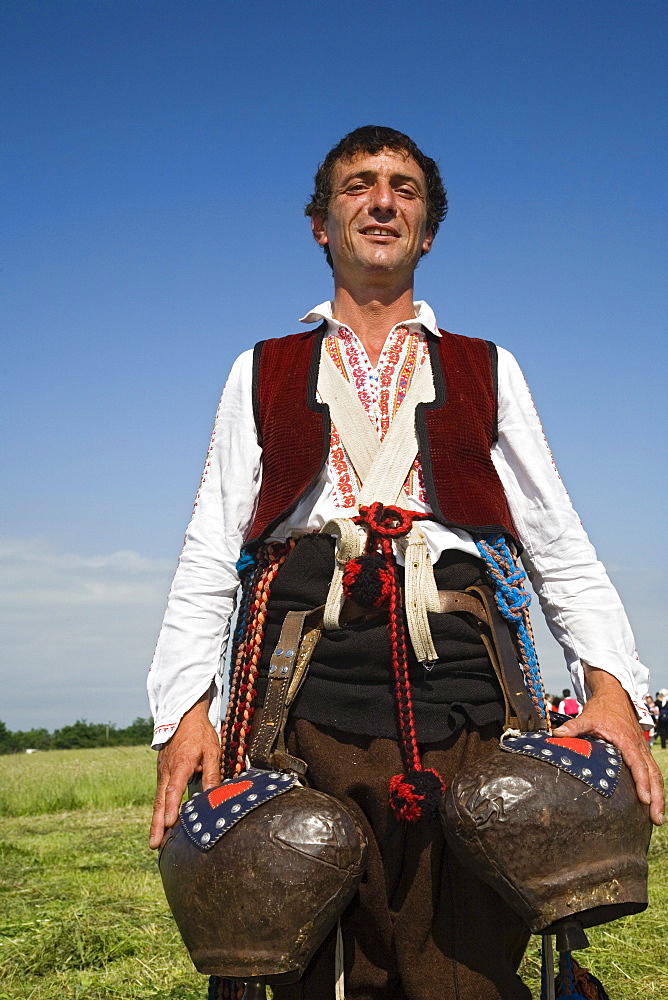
x: 252, y: 652
x: 387, y: 522
x: 400, y: 667
x: 235, y: 681
x: 250, y: 655
x: 240, y: 664
x: 383, y: 524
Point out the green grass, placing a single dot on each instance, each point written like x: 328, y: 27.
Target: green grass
x: 82, y: 913
x: 67, y: 780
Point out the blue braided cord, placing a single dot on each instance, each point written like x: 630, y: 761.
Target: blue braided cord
x: 567, y: 985
x: 513, y: 602
x: 242, y: 620
x: 244, y: 562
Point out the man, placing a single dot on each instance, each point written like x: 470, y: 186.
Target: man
x: 420, y: 928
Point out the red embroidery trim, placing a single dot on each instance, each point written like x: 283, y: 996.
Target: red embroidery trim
x: 381, y: 391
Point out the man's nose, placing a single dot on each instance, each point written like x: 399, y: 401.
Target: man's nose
x: 383, y: 199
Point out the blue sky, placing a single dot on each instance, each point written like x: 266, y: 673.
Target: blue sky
x: 159, y: 157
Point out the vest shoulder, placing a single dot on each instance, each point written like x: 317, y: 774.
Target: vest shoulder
x: 460, y: 339
x: 289, y: 340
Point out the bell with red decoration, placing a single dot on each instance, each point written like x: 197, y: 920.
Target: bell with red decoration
x: 572, y: 804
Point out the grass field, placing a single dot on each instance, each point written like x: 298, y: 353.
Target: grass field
x: 82, y: 914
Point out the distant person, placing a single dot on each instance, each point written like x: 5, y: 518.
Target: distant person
x: 653, y: 710
x: 569, y: 705
x: 662, y: 718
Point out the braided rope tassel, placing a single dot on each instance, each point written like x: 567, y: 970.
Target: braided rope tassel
x: 513, y: 602
x: 249, y: 580
x: 400, y: 669
x: 416, y: 794
x: 270, y: 561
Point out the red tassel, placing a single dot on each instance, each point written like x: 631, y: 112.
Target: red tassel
x: 367, y: 581
x: 416, y: 795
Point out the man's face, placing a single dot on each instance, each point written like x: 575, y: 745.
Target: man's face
x: 377, y: 215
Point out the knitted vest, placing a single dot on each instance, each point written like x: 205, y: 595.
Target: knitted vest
x: 455, y: 432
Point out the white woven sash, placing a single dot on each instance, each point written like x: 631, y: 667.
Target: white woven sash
x: 382, y: 468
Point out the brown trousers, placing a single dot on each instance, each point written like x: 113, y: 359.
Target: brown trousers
x: 420, y: 927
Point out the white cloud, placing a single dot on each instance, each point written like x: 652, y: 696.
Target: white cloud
x: 78, y: 633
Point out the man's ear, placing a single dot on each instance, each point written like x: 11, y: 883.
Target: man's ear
x: 319, y: 229
x: 427, y: 242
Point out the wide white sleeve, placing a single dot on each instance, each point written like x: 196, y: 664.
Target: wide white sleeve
x: 195, y: 628
x: 582, y: 608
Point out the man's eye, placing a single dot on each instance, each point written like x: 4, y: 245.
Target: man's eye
x: 357, y: 186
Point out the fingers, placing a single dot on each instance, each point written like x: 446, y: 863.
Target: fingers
x: 648, y: 780
x: 174, y: 771
x: 174, y: 789
x: 636, y: 761
x: 628, y: 738
x: 157, y: 830
x: 569, y: 728
x: 658, y: 806
x: 193, y: 747
x: 211, y: 766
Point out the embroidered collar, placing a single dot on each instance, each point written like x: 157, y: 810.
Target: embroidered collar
x: 424, y: 317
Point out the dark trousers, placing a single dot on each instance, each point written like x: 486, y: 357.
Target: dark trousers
x: 421, y: 927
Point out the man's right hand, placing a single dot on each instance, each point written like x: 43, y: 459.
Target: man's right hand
x: 193, y: 747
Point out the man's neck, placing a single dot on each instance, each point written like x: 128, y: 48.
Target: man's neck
x: 373, y: 316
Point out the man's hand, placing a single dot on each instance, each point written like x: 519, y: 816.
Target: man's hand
x: 610, y: 715
x: 193, y: 747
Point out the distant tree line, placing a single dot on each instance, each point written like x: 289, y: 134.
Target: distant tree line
x: 81, y: 735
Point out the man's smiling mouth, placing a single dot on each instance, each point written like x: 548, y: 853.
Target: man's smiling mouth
x: 378, y: 231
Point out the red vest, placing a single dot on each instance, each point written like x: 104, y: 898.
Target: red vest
x: 455, y: 432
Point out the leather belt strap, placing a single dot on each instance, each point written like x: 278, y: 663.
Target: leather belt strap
x: 459, y: 600
x: 521, y: 712
x: 287, y: 670
x: 495, y: 634
x: 448, y: 600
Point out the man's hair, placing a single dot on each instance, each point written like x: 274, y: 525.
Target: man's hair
x: 373, y: 139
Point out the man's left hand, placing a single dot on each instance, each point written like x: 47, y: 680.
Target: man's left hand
x: 610, y: 715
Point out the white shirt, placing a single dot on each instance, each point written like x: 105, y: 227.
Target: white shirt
x: 580, y: 604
